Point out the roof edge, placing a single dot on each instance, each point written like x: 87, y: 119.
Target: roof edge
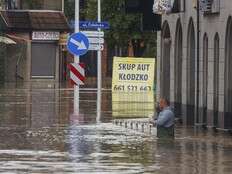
x: 25, y: 10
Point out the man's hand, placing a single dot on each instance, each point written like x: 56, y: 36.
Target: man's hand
x: 152, y: 121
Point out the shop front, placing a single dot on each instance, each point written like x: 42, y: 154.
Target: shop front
x: 40, y: 31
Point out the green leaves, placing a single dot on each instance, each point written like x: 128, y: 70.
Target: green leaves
x: 33, y: 4
x: 123, y: 27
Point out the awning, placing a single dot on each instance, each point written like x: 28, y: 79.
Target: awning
x: 32, y: 20
x: 6, y: 40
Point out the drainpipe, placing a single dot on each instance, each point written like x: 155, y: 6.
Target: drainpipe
x: 198, y: 60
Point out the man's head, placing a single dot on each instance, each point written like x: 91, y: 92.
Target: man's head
x: 163, y: 103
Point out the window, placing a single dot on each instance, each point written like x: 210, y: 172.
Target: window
x: 43, y: 63
x: 2, y: 4
x: 10, y: 4
x: 178, y: 6
x: 31, y: 4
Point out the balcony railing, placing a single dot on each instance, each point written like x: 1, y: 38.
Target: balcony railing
x: 168, y: 6
x: 210, y: 6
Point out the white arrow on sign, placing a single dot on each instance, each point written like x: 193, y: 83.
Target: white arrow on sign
x: 96, y: 40
x: 96, y: 47
x: 93, y: 33
x: 81, y: 45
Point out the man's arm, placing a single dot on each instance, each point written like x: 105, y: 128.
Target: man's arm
x: 152, y: 121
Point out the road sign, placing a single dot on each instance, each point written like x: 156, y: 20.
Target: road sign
x: 93, y: 33
x: 94, y: 40
x: 96, y: 47
x: 94, y: 25
x: 78, y: 44
x: 77, y: 73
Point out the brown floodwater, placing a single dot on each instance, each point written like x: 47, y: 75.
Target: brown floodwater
x: 40, y: 134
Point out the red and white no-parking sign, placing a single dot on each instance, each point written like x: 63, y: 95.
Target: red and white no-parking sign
x: 77, y: 73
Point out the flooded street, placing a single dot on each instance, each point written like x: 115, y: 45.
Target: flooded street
x: 40, y: 134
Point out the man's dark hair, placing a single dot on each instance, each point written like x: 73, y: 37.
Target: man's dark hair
x: 167, y: 101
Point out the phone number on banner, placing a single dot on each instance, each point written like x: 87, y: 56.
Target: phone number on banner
x: 132, y: 88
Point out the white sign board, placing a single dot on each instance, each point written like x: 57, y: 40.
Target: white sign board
x: 96, y: 40
x: 96, y: 47
x: 45, y: 35
x: 93, y: 33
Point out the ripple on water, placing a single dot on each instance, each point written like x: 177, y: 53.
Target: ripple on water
x: 106, y: 148
x: 97, y: 160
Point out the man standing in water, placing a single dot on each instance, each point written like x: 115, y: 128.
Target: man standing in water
x: 165, y: 120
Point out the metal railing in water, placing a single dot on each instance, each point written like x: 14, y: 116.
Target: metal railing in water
x: 141, y: 125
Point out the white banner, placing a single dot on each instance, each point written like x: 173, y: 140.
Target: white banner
x: 45, y: 35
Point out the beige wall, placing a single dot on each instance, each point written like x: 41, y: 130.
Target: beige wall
x: 209, y: 24
x: 43, y: 4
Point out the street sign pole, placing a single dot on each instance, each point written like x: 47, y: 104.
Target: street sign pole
x: 76, y: 59
x: 99, y: 51
x: 99, y: 69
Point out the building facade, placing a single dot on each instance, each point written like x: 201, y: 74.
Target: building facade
x: 187, y: 61
x: 37, y: 29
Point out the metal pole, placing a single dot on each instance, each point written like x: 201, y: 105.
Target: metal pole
x: 99, y: 71
x: 62, y: 6
x: 76, y: 59
x: 198, y: 60
x: 99, y: 51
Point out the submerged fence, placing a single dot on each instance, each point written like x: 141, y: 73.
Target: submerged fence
x: 140, y: 125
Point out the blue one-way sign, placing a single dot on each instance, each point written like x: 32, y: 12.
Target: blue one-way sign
x: 78, y: 44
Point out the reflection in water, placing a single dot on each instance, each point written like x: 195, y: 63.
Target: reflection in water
x: 132, y: 104
x: 99, y: 105
x: 40, y: 134
x: 42, y: 105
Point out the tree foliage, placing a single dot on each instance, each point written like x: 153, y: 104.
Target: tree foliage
x: 123, y: 27
x: 69, y: 10
x: 33, y: 4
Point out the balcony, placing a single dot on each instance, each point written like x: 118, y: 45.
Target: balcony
x: 167, y: 6
x: 210, y: 6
